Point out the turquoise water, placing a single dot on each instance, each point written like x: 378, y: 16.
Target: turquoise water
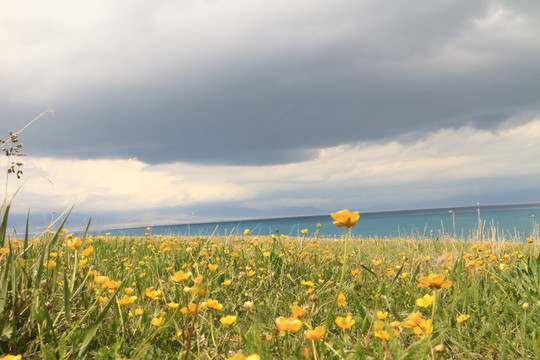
x: 511, y: 221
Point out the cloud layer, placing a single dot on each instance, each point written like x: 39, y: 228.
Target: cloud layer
x: 254, y: 82
x: 452, y: 167
x: 253, y: 108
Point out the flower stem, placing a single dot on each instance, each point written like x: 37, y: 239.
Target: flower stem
x: 435, y: 295
x: 340, y: 285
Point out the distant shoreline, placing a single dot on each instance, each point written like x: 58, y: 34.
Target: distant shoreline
x: 367, y: 214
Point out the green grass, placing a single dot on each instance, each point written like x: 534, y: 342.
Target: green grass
x: 67, y: 311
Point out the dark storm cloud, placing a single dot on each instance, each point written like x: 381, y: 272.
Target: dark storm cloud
x: 312, y: 78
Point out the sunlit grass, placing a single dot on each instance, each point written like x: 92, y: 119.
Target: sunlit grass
x: 68, y: 295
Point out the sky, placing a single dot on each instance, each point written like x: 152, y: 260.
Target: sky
x: 186, y: 111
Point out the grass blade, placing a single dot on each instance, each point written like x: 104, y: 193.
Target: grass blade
x: 67, y: 298
x: 93, y: 329
x: 3, y: 226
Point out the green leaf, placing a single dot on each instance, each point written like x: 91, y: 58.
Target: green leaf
x: 536, y: 343
x: 3, y: 226
x: 25, y: 244
x: 47, y: 354
x: 395, y: 348
x: 4, y: 282
x: 369, y: 270
x: 360, y: 355
x: 87, y: 229
x: 5, y: 328
x: 417, y: 350
x: 67, y: 298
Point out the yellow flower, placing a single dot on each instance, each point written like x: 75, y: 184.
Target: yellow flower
x: 228, y: 320
x: 51, y: 264
x: 307, y: 283
x: 424, y: 328
x: 11, y: 357
x: 378, y: 331
x: 240, y: 356
x: 129, y: 290
x: 177, y: 335
x: 127, y: 300
x: 180, y: 276
x: 412, y: 320
x: 152, y: 294
x: 212, y: 267
x: 305, y: 231
x: 214, y: 304
x: 345, y: 322
x: 315, y: 334
x: 138, y: 311
x: 192, y: 308
x: 424, y: 301
x: 88, y: 251
x: 421, y: 327
x: 158, y: 321
x: 341, y: 300
x: 173, y: 305
x: 266, y: 253
x: 291, y: 324
x: 74, y: 243
x: 463, y: 318
x: 345, y: 218
x: 226, y: 283
x: 101, y: 280
x: 298, y: 312
x: 247, y: 232
x: 111, y: 284
x: 355, y: 272
x: 382, y: 315
x: 434, y: 281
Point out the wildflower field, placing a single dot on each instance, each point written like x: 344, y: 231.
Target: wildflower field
x: 65, y: 295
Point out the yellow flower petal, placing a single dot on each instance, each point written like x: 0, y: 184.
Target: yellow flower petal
x: 345, y: 218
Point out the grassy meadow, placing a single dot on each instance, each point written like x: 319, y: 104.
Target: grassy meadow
x: 65, y: 295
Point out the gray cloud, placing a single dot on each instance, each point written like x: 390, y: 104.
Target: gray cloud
x: 262, y: 84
